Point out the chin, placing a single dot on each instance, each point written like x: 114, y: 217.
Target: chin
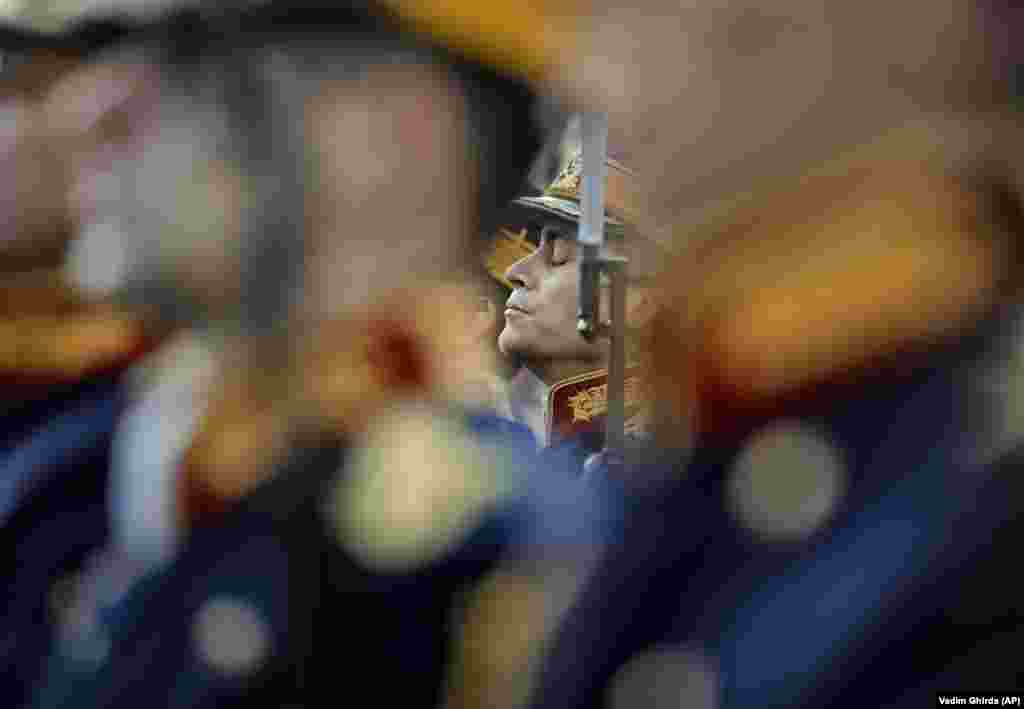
x: 515, y: 347
x: 508, y: 345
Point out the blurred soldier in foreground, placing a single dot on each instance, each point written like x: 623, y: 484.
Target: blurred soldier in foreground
x: 311, y: 203
x: 560, y: 392
x: 64, y: 357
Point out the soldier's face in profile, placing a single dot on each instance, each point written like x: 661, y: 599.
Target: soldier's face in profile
x: 540, y: 315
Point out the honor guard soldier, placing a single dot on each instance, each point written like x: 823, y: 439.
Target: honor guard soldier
x: 561, y: 388
x: 345, y: 528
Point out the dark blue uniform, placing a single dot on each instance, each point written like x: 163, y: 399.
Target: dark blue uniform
x: 872, y: 608
x: 267, y: 607
x: 54, y: 465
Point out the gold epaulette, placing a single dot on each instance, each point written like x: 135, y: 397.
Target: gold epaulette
x: 232, y: 451
x: 50, y: 335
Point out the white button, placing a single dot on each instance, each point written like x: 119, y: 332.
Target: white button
x: 418, y: 485
x: 786, y: 482
x: 671, y: 678
x: 231, y: 636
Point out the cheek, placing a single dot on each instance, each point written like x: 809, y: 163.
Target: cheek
x: 560, y: 296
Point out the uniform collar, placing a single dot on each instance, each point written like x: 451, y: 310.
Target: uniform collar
x: 571, y: 407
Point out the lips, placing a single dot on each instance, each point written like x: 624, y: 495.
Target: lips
x: 513, y: 308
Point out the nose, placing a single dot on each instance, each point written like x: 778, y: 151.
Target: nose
x: 520, y: 274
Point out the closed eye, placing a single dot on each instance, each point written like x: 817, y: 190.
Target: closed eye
x: 560, y: 246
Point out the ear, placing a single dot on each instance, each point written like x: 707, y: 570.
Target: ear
x: 642, y: 305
